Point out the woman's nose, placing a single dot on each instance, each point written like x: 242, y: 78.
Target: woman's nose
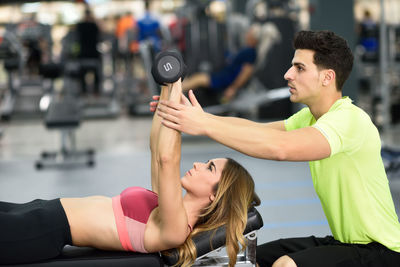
x: 195, y: 165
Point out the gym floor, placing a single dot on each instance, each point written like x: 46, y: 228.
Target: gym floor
x: 289, y: 206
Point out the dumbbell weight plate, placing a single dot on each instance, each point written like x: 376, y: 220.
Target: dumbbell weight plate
x: 169, y: 68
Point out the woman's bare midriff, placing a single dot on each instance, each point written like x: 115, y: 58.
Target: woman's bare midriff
x: 92, y: 222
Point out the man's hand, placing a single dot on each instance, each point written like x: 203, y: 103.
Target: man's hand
x: 228, y: 94
x: 187, y: 117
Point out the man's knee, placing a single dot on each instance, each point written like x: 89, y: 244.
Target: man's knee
x: 284, y: 261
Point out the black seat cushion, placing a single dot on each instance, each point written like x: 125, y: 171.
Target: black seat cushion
x: 63, y: 113
x: 79, y: 256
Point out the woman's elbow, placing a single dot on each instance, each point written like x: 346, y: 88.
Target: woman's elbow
x: 167, y: 159
x: 173, y: 240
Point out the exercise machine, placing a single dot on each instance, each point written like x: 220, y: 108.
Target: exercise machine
x: 391, y: 161
x: 22, y: 55
x: 140, y: 93
x: 266, y: 95
x: 10, y: 53
x: 105, y: 104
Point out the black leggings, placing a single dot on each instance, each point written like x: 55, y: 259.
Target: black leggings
x: 32, y: 231
x: 328, y: 252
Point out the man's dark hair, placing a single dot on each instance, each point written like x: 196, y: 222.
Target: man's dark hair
x: 331, y: 52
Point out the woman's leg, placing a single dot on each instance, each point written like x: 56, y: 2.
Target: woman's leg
x: 8, y: 206
x: 33, y: 231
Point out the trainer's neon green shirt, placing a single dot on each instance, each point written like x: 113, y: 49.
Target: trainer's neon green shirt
x: 351, y: 183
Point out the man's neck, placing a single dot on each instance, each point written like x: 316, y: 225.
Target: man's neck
x: 322, y: 106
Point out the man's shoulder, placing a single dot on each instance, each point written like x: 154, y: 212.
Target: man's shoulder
x: 347, y: 110
x: 347, y: 117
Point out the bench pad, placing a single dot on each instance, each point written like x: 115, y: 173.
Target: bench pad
x: 65, y: 113
x: 84, y: 257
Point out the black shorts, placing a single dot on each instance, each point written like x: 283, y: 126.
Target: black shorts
x: 328, y: 252
x: 32, y: 231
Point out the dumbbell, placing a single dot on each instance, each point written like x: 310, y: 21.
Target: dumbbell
x: 168, y: 67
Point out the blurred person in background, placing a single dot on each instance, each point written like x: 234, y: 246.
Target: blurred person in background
x: 234, y: 75
x: 149, y: 29
x: 88, y: 34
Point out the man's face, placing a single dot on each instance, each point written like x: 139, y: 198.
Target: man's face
x: 304, y: 78
x: 250, y: 38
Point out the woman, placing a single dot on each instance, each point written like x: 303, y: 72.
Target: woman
x: 218, y: 192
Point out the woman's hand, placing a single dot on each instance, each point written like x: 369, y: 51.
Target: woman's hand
x: 153, y: 104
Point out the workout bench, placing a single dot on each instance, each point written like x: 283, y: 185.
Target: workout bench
x: 207, y: 244
x: 65, y: 115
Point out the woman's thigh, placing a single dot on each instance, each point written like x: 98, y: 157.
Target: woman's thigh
x: 7, y: 206
x: 33, y: 231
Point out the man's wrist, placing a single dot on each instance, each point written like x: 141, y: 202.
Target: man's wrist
x: 205, y: 125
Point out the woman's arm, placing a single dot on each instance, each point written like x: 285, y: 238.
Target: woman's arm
x: 154, y: 134
x: 174, y: 222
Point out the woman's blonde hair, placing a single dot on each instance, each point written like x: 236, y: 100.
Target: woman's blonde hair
x: 234, y: 195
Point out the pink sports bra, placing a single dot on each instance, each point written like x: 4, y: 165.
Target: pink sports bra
x: 132, y: 209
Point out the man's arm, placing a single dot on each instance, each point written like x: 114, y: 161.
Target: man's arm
x: 244, y: 75
x: 261, y: 140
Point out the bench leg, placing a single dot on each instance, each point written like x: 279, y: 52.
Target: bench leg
x: 68, y: 155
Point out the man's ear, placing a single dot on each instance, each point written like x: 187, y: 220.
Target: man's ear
x: 329, y: 77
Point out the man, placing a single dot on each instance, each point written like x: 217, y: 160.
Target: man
x: 234, y: 75
x: 89, y: 36
x: 342, y: 145
x: 149, y: 28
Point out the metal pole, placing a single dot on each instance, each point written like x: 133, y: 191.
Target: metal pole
x: 383, y: 67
